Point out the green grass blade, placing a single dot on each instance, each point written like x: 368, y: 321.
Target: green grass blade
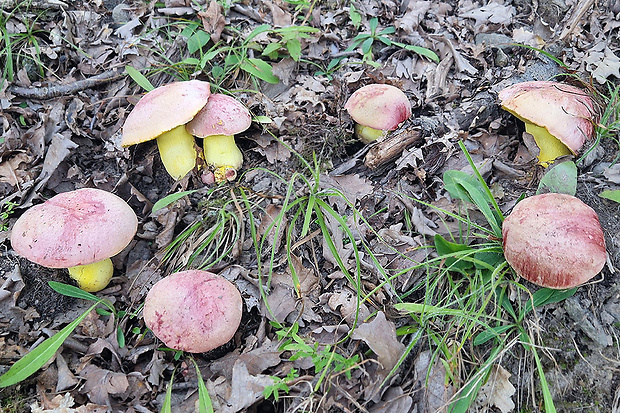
x: 139, y: 78
x: 544, y: 385
x: 33, y: 361
x: 169, y: 199
x: 166, y: 406
x: 75, y: 292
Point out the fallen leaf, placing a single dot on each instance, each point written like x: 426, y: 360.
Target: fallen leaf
x: 213, y: 20
x: 497, y: 391
x: 100, y: 384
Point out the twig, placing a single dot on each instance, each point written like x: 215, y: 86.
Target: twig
x: 53, y: 91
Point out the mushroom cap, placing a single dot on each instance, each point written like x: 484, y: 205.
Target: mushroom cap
x: 567, y: 112
x: 222, y: 115
x: 194, y: 311
x: 163, y: 109
x: 379, y: 106
x: 74, y: 228
x: 554, y: 240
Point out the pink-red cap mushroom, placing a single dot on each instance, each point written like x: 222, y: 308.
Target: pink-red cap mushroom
x: 217, y: 123
x: 161, y: 114
x: 194, y: 311
x: 79, y: 230
x: 561, y: 117
x: 554, y: 240
x: 377, y: 108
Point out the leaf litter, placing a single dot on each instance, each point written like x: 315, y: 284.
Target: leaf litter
x: 69, y: 138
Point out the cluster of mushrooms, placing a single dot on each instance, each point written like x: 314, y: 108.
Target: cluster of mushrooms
x: 553, y: 240
x: 175, y: 113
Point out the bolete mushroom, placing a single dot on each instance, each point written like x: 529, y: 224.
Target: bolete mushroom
x: 554, y: 240
x: 79, y: 230
x: 194, y: 311
x: 162, y: 114
x: 377, y: 109
x: 217, y: 123
x: 561, y: 117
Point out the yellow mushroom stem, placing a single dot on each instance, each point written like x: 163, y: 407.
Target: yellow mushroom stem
x: 222, y: 154
x: 93, y: 277
x: 367, y: 134
x: 177, y: 151
x: 550, y: 147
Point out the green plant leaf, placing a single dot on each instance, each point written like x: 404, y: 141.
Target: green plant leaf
x: 491, y: 333
x: 546, y: 296
x: 355, y: 16
x: 197, y: 41
x: 453, y: 180
x: 169, y: 199
x: 562, y: 179
x: 139, y: 78
x: 367, y: 45
x: 260, y: 29
x: 294, y: 49
x: 270, y: 48
x: 34, y: 360
x: 447, y: 250
x: 75, y: 292
x: 260, y: 69
x: 611, y: 195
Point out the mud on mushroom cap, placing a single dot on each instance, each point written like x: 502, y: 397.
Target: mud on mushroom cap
x: 74, y: 228
x: 194, y: 311
x: 554, y: 240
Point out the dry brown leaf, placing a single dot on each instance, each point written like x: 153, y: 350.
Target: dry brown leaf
x: 437, y: 394
x: 493, y: 12
x: 213, y: 20
x: 270, y: 228
x: 380, y: 336
x: 100, y: 384
x: 497, y: 391
x: 353, y: 187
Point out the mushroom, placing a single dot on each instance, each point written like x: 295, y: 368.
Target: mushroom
x: 193, y: 310
x: 554, y: 240
x: 162, y: 114
x: 79, y: 230
x: 377, y: 109
x: 217, y: 123
x: 560, y: 117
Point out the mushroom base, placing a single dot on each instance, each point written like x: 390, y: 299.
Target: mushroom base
x: 93, y: 277
x: 223, y: 155
x: 550, y: 147
x: 367, y: 134
x: 177, y: 151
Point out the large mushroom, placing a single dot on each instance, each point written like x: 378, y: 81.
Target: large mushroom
x: 217, y: 123
x: 79, y: 230
x: 377, y: 109
x: 561, y: 117
x: 162, y: 114
x: 194, y: 311
x: 554, y: 240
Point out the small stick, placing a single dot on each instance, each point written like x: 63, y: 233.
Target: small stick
x: 48, y: 92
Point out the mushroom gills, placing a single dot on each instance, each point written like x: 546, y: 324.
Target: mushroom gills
x: 223, y: 155
x: 550, y: 147
x: 93, y: 277
x: 177, y: 151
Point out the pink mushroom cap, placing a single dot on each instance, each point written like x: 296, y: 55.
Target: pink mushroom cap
x: 222, y: 115
x: 566, y: 111
x: 379, y: 106
x: 74, y: 228
x: 554, y: 240
x: 163, y: 109
x: 194, y: 311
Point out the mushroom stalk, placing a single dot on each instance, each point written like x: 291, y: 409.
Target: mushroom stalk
x: 93, y: 277
x: 367, y: 134
x: 177, y: 151
x: 222, y: 153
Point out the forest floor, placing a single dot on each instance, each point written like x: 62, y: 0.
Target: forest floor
x: 348, y: 305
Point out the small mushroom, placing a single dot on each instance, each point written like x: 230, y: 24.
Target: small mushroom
x: 217, y: 123
x: 554, y: 240
x: 194, y: 311
x: 560, y: 117
x: 79, y: 230
x: 162, y: 114
x: 377, y: 109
